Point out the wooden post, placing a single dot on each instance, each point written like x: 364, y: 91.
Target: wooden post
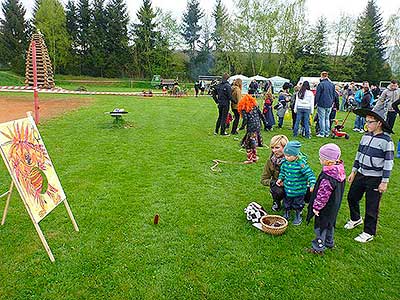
x: 3, y: 220
x: 43, y: 240
x: 35, y: 87
x: 71, y: 216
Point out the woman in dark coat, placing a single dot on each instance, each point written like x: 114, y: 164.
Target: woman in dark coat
x: 268, y: 110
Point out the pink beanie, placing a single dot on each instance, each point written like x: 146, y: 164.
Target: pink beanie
x: 330, y: 152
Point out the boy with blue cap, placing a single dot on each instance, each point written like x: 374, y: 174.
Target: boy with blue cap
x: 295, y: 176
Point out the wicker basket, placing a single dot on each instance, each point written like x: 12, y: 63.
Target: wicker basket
x: 267, y: 223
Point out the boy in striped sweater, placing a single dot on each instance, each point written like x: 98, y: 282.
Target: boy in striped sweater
x: 370, y: 174
x: 295, y: 176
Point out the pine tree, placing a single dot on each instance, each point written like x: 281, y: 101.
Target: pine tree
x: 316, y: 50
x: 191, y: 27
x: 219, y: 37
x: 36, y: 6
x: 367, y: 60
x: 220, y: 16
x: 98, y: 38
x: 83, y: 36
x: 13, y: 36
x: 71, y: 14
x: 117, y: 50
x: 203, y: 62
x: 145, y: 38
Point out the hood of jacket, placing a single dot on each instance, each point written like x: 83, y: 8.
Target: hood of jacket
x: 335, y: 171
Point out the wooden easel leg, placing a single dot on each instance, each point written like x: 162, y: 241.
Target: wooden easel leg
x: 71, y: 216
x: 44, y: 242
x: 3, y: 220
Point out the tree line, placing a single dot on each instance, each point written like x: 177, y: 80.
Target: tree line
x: 266, y: 37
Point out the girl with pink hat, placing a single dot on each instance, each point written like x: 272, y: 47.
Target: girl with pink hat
x: 326, y: 198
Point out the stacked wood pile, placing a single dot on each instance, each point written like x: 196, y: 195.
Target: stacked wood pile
x: 45, y: 76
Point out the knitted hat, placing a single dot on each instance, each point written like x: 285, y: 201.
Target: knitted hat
x: 292, y: 148
x: 330, y: 152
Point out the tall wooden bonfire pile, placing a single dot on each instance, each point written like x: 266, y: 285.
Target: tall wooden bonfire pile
x: 45, y: 76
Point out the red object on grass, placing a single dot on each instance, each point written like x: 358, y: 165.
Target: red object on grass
x: 156, y: 219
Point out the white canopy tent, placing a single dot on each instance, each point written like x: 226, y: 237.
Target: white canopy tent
x: 239, y: 76
x: 313, y: 81
x: 277, y: 82
x: 258, y: 78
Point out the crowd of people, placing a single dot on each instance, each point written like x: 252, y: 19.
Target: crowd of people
x: 290, y: 179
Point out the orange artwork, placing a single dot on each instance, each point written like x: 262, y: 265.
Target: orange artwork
x: 29, y: 164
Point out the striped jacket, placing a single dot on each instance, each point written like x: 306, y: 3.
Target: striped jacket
x: 375, y: 156
x: 296, y: 176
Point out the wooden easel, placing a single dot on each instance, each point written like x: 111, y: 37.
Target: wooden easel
x: 36, y: 224
x: 3, y: 220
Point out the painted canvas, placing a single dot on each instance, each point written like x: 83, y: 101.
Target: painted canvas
x: 30, y: 166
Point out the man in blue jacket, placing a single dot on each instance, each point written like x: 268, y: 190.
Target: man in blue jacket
x: 223, y: 99
x: 324, y: 99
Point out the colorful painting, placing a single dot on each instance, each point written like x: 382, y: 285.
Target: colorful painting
x: 29, y: 164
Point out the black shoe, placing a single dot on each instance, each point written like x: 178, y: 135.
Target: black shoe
x: 313, y: 251
x: 234, y: 133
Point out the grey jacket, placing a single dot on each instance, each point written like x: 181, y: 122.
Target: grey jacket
x: 387, y: 98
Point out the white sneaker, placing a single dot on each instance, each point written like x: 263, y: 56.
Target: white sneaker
x: 356, y: 129
x: 351, y: 224
x: 364, y: 237
x: 320, y: 135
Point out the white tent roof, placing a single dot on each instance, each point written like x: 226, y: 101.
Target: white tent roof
x: 309, y: 79
x: 259, y: 78
x: 232, y: 78
x: 278, y: 78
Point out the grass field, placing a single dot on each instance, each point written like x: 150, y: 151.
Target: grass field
x: 92, y: 84
x: 117, y: 179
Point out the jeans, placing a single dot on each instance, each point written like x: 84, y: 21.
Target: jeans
x: 296, y: 203
x: 222, y: 114
x: 391, y: 118
x: 343, y: 104
x: 280, y: 122
x: 235, y: 120
x: 359, y: 122
x: 304, y: 116
x: 323, y: 239
x: 323, y: 119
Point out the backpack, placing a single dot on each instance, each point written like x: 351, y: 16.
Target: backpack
x: 214, y: 92
x: 254, y: 212
x: 358, y: 96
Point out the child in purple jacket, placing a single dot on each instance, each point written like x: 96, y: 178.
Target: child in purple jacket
x: 326, y: 198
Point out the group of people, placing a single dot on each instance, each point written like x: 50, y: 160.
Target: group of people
x: 291, y: 181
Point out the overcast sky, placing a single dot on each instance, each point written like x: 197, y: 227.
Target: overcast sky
x: 331, y: 9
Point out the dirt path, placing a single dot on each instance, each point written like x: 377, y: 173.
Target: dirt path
x: 15, y: 107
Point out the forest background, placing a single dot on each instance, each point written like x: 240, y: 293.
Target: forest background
x: 265, y: 37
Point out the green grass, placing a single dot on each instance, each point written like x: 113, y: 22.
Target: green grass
x: 117, y: 179
x: 9, y: 78
x: 91, y: 84
x: 97, y: 84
